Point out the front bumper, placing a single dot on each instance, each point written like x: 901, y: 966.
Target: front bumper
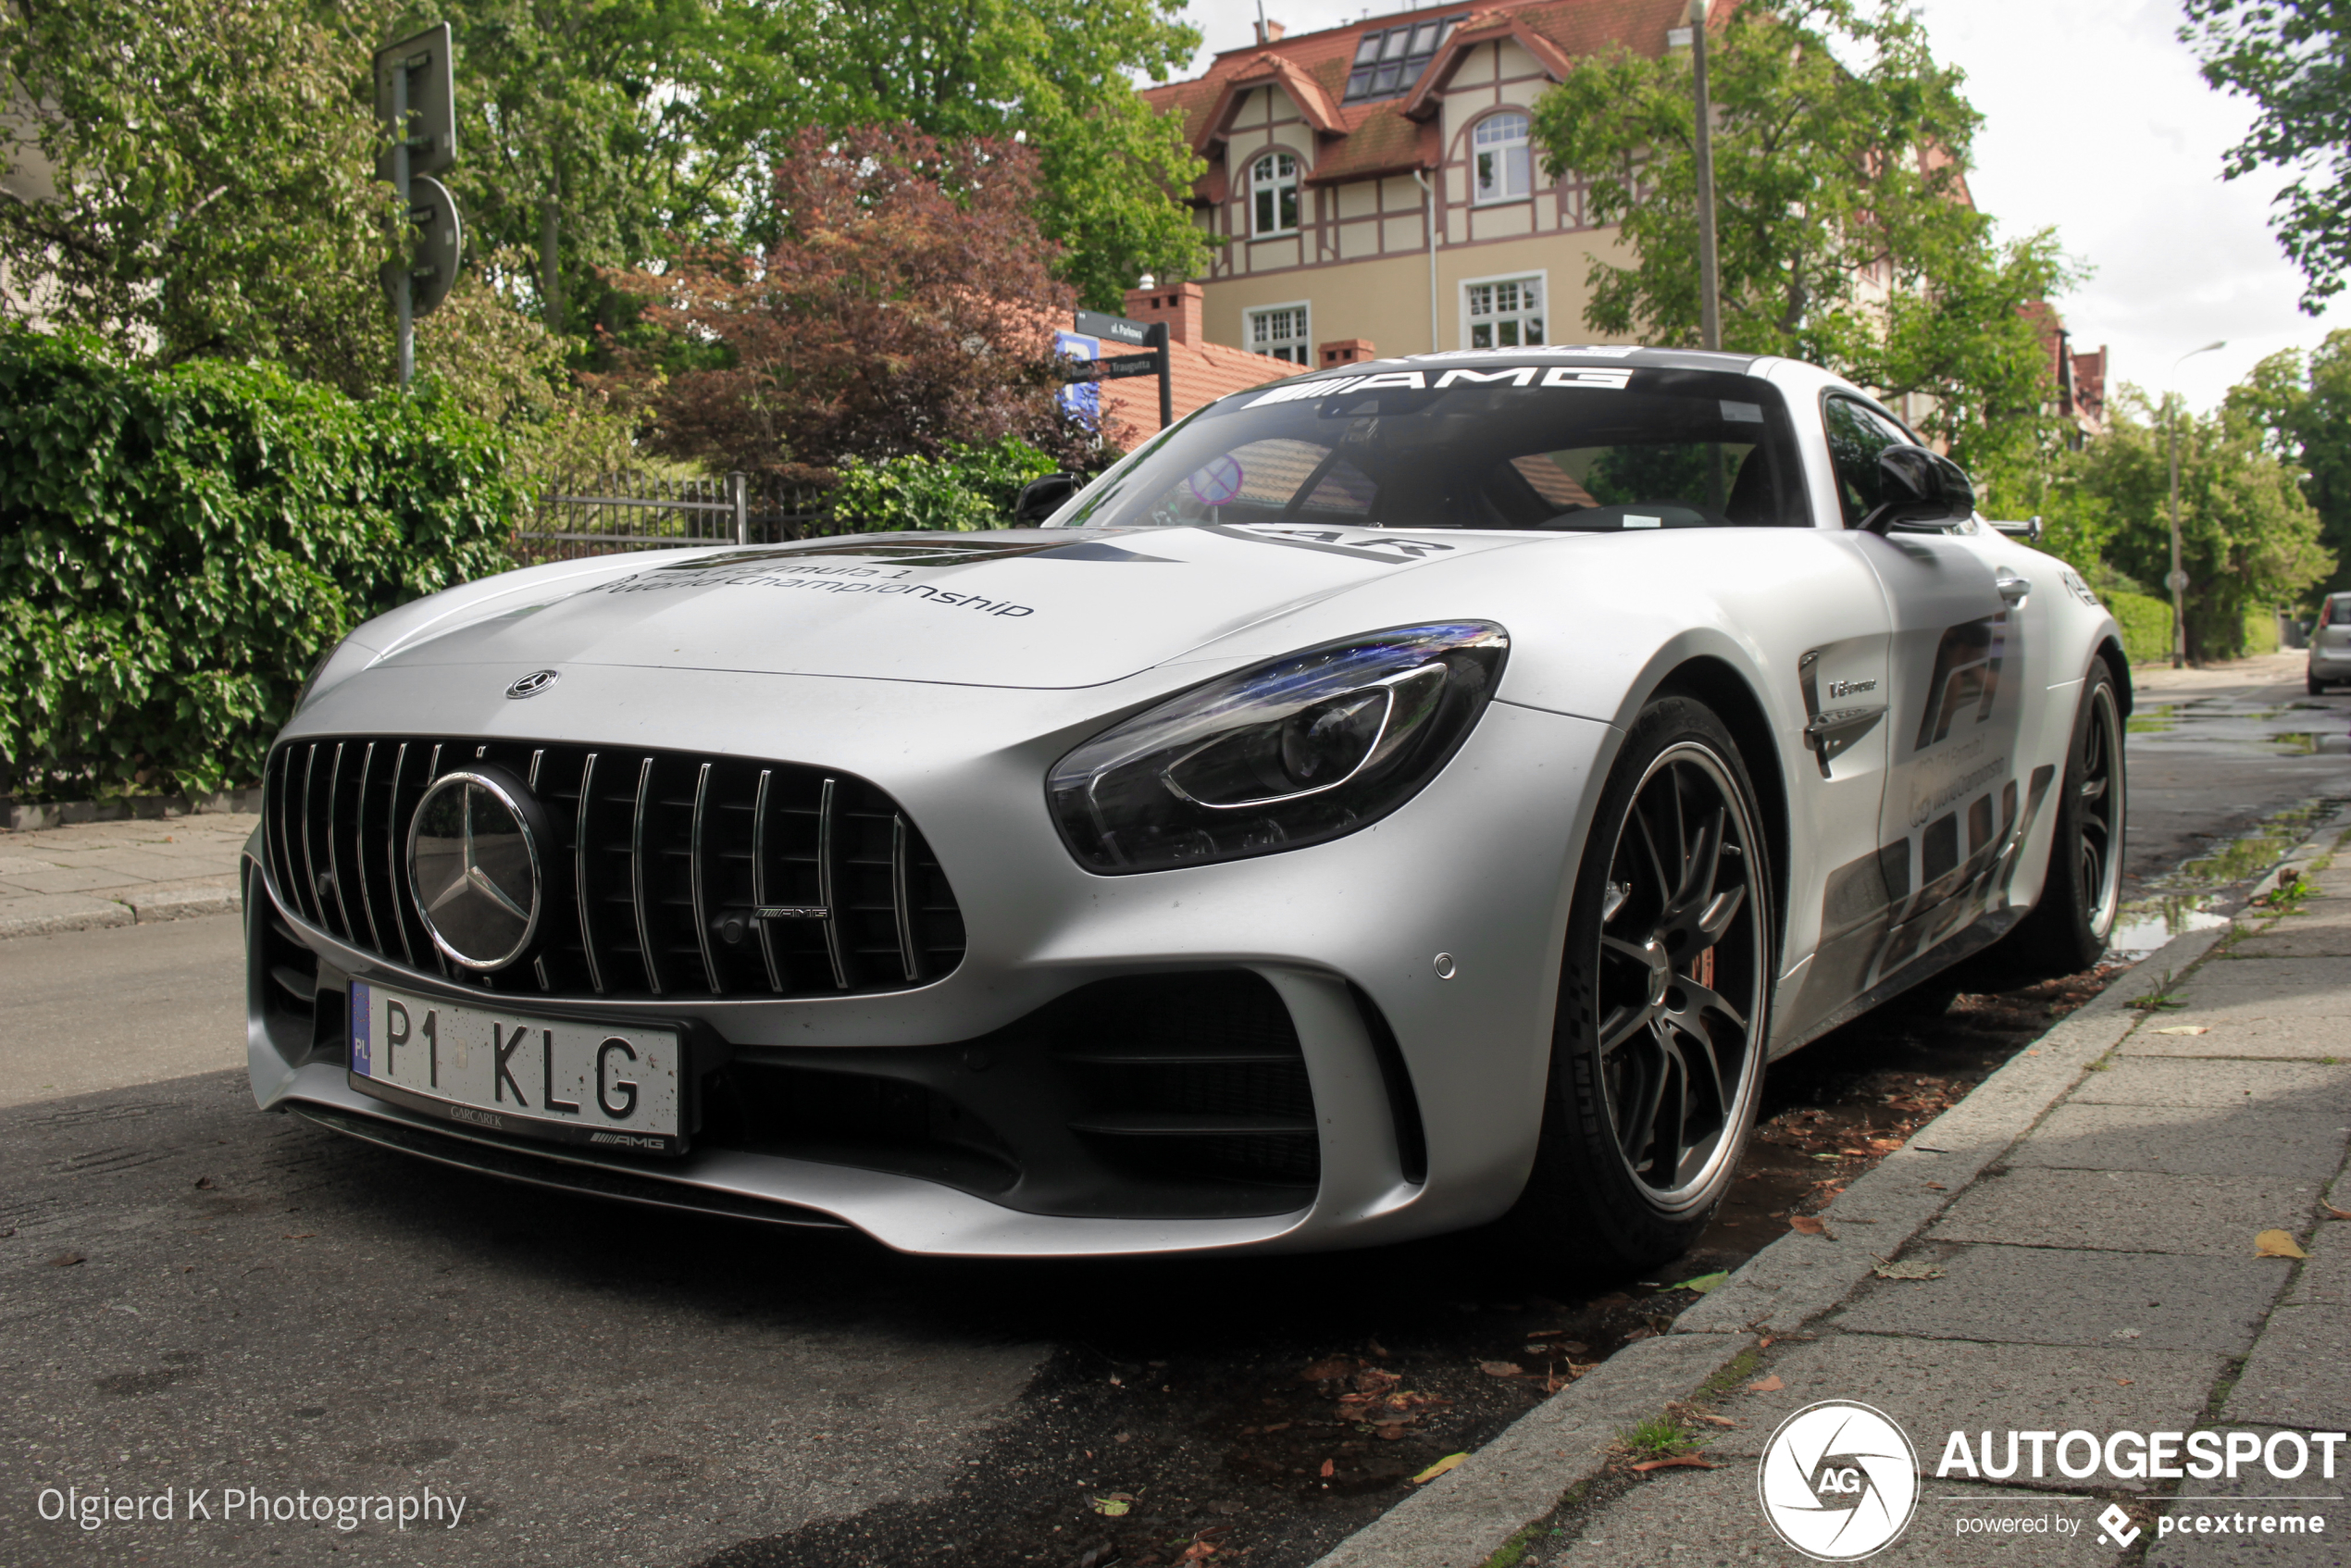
x: 1425, y: 1093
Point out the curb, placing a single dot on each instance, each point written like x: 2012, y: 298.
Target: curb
x: 15, y: 817
x: 1462, y: 1519
x: 143, y: 905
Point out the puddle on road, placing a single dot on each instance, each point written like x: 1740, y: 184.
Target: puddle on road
x: 2218, y: 721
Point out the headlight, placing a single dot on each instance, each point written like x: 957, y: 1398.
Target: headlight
x: 1289, y: 754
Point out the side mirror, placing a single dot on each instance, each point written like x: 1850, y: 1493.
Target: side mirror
x: 1039, y: 499
x: 1919, y: 487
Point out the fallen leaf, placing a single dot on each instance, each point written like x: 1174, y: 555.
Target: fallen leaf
x: 1376, y: 1348
x: 1936, y: 1187
x: 1912, y: 1270
x: 1718, y: 1420
x: 1450, y: 1461
x: 2035, y: 1052
x: 299, y: 1235
x: 1330, y: 1466
x: 1771, y: 1384
x: 1390, y: 1433
x: 1337, y: 1366
x: 65, y: 1260
x: 1702, y: 1282
x: 1679, y: 1462
x: 1502, y: 1369
x: 1545, y: 1333
x: 1810, y: 1224
x: 1766, y: 1342
x: 2338, y: 1214
x: 203, y: 1182
x: 1276, y: 1426
x: 2277, y: 1244
x: 2185, y: 1030
x: 1111, y: 1507
x: 2123, y: 1383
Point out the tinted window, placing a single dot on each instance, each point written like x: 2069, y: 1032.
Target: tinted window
x: 1858, y: 433
x: 1493, y: 446
x: 2339, y: 612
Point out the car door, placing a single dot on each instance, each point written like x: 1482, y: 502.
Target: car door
x: 1956, y: 806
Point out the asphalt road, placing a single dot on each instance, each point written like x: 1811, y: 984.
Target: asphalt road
x: 192, y: 1294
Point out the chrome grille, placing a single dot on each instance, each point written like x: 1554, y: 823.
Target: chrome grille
x: 664, y: 865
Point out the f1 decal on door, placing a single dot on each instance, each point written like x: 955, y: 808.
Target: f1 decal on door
x: 1967, y: 673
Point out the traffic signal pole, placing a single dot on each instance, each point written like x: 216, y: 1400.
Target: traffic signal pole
x: 404, y: 288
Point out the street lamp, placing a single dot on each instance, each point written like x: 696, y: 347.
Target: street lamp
x: 2178, y: 580
x: 1710, y: 282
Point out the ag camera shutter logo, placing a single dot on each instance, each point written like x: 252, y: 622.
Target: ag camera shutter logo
x: 1839, y: 1481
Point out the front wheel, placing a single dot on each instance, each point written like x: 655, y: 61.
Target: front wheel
x: 1659, y: 1041
x: 2066, y: 931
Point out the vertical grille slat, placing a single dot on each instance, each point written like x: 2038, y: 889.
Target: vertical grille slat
x: 639, y: 873
x: 579, y: 872
x: 861, y: 903
x: 761, y: 896
x: 698, y: 847
x: 902, y: 888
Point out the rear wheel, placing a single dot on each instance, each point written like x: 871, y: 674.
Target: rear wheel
x: 2066, y: 931
x: 1657, y: 1046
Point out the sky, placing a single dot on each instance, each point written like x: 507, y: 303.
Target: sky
x: 2098, y: 125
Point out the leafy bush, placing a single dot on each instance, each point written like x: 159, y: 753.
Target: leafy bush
x: 2146, y: 627
x: 970, y: 488
x: 178, y: 546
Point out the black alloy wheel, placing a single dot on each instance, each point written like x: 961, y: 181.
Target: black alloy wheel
x: 1660, y: 1040
x: 2068, y: 929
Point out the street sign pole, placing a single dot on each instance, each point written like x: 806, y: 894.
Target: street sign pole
x: 403, y: 285
x: 1166, y: 381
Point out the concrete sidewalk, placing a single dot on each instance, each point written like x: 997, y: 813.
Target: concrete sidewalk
x: 2072, y: 1248
x: 120, y: 873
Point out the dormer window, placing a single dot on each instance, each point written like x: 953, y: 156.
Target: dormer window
x: 1272, y: 196
x: 1389, y: 60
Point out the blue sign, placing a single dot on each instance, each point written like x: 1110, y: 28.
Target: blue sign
x: 1080, y: 400
x: 361, y: 1062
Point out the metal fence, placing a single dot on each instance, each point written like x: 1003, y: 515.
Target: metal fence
x: 604, y: 513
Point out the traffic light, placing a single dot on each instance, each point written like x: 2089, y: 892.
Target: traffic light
x: 416, y: 107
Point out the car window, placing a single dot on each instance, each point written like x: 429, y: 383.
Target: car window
x: 1498, y: 444
x: 1858, y: 433
x: 2339, y: 612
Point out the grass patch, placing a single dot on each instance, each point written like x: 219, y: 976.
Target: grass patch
x: 2159, y: 999
x: 1661, y: 1436
x: 1507, y: 1555
x: 1740, y: 1368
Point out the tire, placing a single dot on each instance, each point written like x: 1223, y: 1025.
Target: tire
x: 1657, y: 1043
x: 2318, y: 687
x: 2066, y: 931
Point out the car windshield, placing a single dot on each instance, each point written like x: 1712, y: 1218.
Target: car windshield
x: 1490, y: 443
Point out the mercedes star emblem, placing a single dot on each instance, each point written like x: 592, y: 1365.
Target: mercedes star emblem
x: 530, y: 685
x: 473, y: 866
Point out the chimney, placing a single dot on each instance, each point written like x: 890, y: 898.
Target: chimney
x: 1178, y: 305
x: 1346, y: 350
x: 1269, y: 33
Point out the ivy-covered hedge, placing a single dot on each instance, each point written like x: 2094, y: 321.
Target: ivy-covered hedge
x: 969, y: 488
x: 178, y: 546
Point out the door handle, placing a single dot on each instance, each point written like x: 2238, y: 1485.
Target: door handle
x: 2013, y: 588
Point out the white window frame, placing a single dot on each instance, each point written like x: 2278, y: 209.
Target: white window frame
x: 1295, y: 184
x: 1526, y: 146
x: 1540, y: 277
x: 1304, y: 341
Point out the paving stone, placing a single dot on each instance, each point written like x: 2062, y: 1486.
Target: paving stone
x: 127, y: 863
x: 2276, y: 1039
x: 2281, y: 987
x: 2128, y: 1211
x: 2046, y: 1296
x: 1703, y: 1518
x: 2249, y: 1494
x: 2249, y: 1138
x: 2299, y: 1374
x: 65, y: 879
x: 2296, y: 937
x: 1972, y: 1387
x: 2308, y: 1086
x: 43, y: 913
x: 2325, y: 1279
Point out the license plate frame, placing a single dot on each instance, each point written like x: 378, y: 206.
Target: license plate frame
x: 618, y: 1087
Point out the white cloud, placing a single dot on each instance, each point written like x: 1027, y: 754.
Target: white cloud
x: 2096, y: 124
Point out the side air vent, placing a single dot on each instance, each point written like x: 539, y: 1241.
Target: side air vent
x: 673, y: 874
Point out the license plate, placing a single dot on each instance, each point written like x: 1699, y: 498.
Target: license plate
x: 616, y: 1089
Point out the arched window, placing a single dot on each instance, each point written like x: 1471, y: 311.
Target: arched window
x: 1272, y: 191
x: 1503, y: 165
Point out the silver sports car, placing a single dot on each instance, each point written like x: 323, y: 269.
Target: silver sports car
x: 1389, y: 801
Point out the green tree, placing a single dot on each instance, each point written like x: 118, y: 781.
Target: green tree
x: 2293, y: 58
x: 2303, y: 411
x: 1054, y: 73
x: 1847, y: 234
x: 2249, y: 541
x: 211, y: 164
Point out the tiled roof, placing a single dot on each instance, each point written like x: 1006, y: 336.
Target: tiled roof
x: 1200, y: 374
x: 1382, y: 136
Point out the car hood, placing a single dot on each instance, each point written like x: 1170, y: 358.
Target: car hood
x: 1032, y: 608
